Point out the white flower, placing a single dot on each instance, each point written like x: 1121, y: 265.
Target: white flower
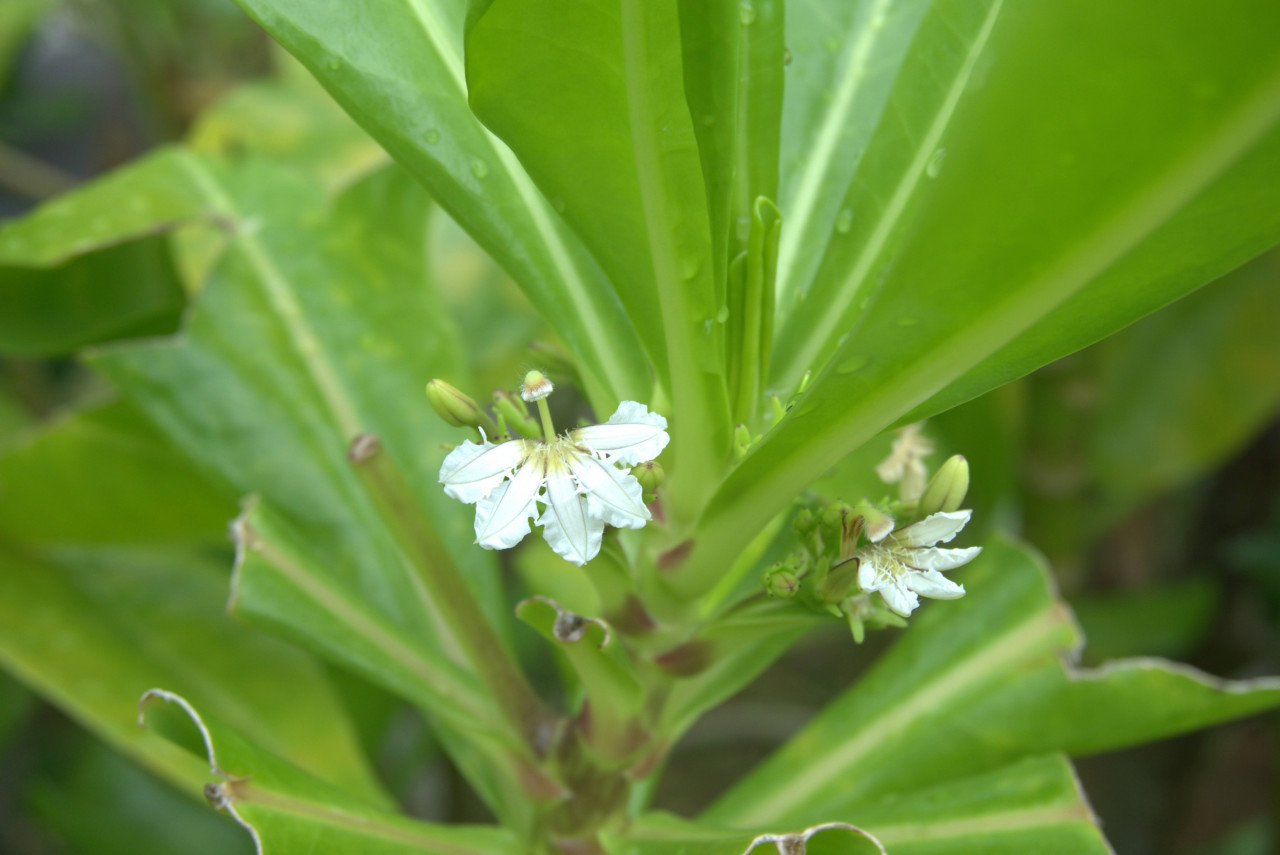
x: 576, y: 477
x: 908, y: 562
x: 905, y: 464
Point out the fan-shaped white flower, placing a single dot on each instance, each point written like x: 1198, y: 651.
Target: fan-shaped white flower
x: 575, y: 477
x: 908, y: 563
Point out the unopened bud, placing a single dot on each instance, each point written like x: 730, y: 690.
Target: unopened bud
x: 650, y: 475
x: 515, y: 415
x: 947, y: 488
x: 741, y: 440
x: 835, y: 514
x: 536, y: 386
x: 455, y: 407
x: 804, y: 523
x: 781, y: 581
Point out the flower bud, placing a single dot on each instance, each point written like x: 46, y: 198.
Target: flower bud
x: 650, y: 475
x: 781, y: 581
x: 804, y: 523
x: 947, y: 488
x: 454, y: 407
x: 741, y: 440
x: 835, y: 514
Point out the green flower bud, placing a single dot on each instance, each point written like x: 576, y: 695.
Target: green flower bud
x: 804, y: 523
x: 650, y: 475
x: 947, y: 488
x: 456, y: 408
x: 781, y: 581
x: 835, y: 515
x: 741, y: 440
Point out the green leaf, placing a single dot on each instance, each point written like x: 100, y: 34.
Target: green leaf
x: 91, y: 630
x: 107, y: 476
x: 105, y: 805
x: 1160, y: 620
x: 623, y: 156
x: 294, y: 124
x: 974, y: 684
x: 1031, y: 806
x: 397, y: 69
x: 320, y: 326
x: 286, y: 810
x: 17, y: 19
x: 1084, y: 185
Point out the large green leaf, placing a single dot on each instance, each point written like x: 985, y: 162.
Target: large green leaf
x: 623, y: 156
x: 106, y: 476
x: 1087, y: 181
x: 318, y: 326
x: 285, y: 810
x: 397, y: 69
x: 91, y: 630
x: 1034, y: 805
x: 974, y: 684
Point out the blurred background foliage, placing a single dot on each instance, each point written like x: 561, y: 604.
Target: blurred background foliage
x: 1146, y: 467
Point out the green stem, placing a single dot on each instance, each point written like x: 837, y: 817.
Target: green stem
x: 481, y: 648
x: 548, y: 428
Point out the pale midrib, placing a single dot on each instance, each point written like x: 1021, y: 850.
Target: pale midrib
x: 394, y: 648
x: 803, y: 207
x: 1021, y: 820
x: 247, y: 794
x: 1023, y: 643
x: 825, y: 329
x: 612, y: 366
x: 1006, y: 320
x: 282, y: 300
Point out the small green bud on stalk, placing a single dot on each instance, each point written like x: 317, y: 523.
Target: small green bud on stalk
x: 516, y: 415
x: 741, y: 440
x: 781, y: 581
x: 947, y: 488
x: 804, y: 523
x: 835, y: 514
x: 455, y: 407
x: 650, y: 475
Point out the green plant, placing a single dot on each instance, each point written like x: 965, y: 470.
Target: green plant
x: 788, y: 234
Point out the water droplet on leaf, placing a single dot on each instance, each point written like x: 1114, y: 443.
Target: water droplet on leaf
x: 844, y: 222
x: 934, y: 166
x: 747, y: 13
x: 479, y: 168
x: 432, y: 136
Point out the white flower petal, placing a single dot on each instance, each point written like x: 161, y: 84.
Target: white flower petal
x: 941, y: 559
x: 867, y: 574
x: 473, y: 469
x: 931, y: 583
x: 632, y: 434
x: 502, y: 517
x: 938, y: 528
x: 613, y: 495
x: 569, y: 530
x: 897, y: 597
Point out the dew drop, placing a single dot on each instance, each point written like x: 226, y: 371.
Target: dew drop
x: 432, y: 136
x: 723, y: 314
x: 689, y: 266
x: 786, y: 56
x: 852, y: 365
x: 832, y: 45
x: 479, y: 168
x: 747, y: 13
x: 709, y: 119
x: 844, y: 222
x: 558, y: 203
x: 934, y: 166
x: 333, y: 65
x: 906, y: 322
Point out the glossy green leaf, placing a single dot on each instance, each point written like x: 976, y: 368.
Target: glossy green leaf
x: 623, y: 156
x: 107, y: 476
x: 397, y: 69
x: 1086, y: 182
x: 974, y: 684
x: 1031, y: 806
x: 286, y: 810
x: 91, y: 630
